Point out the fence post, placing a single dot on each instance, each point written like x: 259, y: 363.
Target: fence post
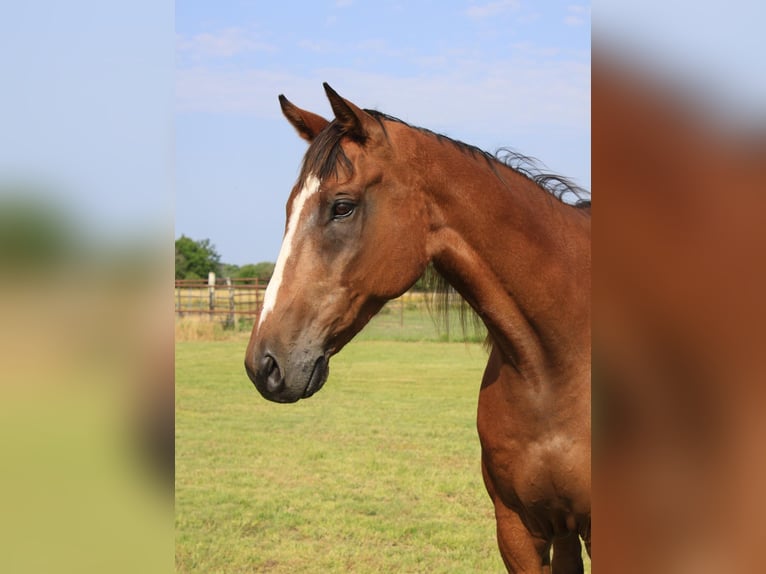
x: 231, y: 318
x: 257, y: 288
x: 211, y: 293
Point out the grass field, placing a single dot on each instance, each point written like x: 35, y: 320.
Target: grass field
x: 378, y: 472
x: 400, y: 320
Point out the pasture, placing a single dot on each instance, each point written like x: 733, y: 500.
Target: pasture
x: 379, y: 472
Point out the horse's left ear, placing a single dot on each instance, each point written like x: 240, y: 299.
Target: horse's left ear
x: 307, y: 124
x: 357, y: 124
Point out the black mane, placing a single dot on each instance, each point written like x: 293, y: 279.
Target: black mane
x: 325, y: 154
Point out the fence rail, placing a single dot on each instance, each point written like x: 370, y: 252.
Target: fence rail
x: 236, y: 303
x: 225, y: 298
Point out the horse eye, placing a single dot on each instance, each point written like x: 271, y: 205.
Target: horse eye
x: 342, y: 209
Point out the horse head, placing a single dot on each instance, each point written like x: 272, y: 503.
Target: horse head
x: 355, y: 237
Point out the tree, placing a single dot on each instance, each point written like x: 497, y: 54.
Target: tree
x: 229, y: 270
x: 35, y: 233
x: 263, y: 270
x: 195, y: 259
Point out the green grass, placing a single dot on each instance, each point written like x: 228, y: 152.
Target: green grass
x: 378, y: 472
x: 399, y: 320
x: 402, y: 321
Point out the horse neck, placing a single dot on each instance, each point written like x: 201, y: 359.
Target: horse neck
x: 519, y: 256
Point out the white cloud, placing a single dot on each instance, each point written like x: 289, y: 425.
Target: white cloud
x: 317, y: 47
x: 222, y: 44
x: 250, y: 92
x: 525, y: 95
x: 479, y: 11
x: 577, y: 15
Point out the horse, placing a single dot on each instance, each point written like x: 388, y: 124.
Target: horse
x: 679, y: 322
x: 377, y: 202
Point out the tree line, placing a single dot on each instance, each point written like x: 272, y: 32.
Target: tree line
x: 196, y: 258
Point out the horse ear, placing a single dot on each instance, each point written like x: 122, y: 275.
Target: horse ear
x: 307, y: 123
x: 356, y: 123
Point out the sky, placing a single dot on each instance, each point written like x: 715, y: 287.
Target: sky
x: 86, y: 110
x: 152, y: 113
x: 492, y: 73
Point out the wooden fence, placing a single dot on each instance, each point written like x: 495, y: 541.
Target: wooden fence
x: 237, y: 302
x: 223, y: 298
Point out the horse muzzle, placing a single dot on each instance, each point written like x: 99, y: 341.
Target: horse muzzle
x: 289, y: 380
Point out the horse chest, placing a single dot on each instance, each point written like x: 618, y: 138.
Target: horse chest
x: 535, y: 472
x: 530, y: 467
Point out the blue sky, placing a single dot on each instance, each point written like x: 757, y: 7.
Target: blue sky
x: 125, y: 109
x: 491, y: 73
x: 86, y: 109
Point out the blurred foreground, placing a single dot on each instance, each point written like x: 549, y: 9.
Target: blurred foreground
x: 86, y: 399
x: 86, y: 348
x: 679, y: 338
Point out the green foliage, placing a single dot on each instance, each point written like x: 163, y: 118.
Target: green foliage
x: 263, y: 270
x: 34, y: 234
x: 229, y: 270
x: 195, y: 259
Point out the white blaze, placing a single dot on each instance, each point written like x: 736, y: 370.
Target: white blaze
x: 272, y: 291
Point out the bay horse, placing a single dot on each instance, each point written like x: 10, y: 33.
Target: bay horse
x: 375, y: 202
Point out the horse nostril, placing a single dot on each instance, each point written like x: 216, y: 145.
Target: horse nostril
x: 270, y: 373
x: 267, y: 364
